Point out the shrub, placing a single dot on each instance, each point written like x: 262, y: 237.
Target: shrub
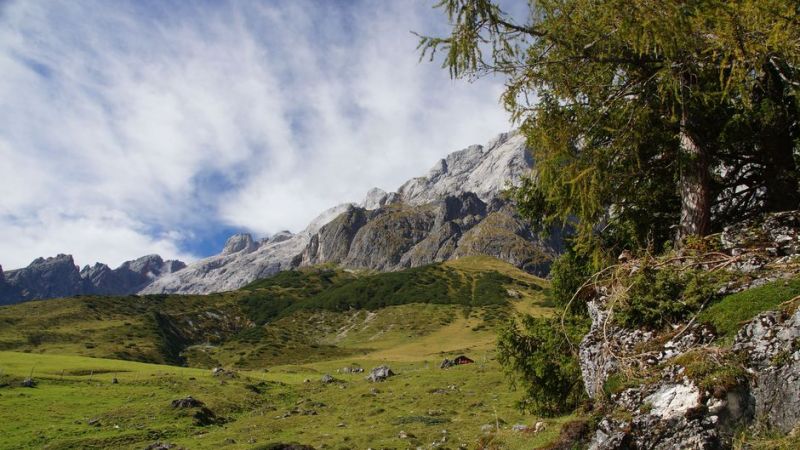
x: 539, y: 357
x: 568, y: 273
x: 663, y: 296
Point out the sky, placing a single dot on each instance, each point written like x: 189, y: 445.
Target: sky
x: 131, y: 128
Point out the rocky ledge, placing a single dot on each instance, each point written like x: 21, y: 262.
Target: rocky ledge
x: 685, y: 385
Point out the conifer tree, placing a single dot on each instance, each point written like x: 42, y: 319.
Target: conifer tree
x: 642, y: 111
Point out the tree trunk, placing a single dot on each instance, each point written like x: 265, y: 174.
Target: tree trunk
x: 694, y: 184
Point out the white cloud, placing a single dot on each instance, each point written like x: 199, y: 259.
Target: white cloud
x: 128, y: 131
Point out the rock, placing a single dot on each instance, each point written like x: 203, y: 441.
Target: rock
x: 162, y: 446
x: 114, y: 380
x: 404, y: 435
x: 327, y: 379
x: 380, y: 373
x: 187, y: 402
x: 225, y: 272
x: 596, y: 354
x: 282, y: 446
x: 538, y: 427
x: 93, y: 422
x: 225, y: 373
x: 520, y: 428
x: 484, y: 170
x: 45, y: 278
x: 771, y: 342
x: 59, y: 277
x: 671, y: 401
x: 131, y: 276
x: 280, y: 236
x: 375, y: 199
x: 779, y: 232
x: 487, y: 428
x: 28, y: 383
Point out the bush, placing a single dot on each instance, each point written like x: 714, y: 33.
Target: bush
x: 539, y: 357
x: 659, y: 297
x: 568, y: 273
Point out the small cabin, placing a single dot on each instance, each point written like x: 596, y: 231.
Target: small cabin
x: 457, y: 361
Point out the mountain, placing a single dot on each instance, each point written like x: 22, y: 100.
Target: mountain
x: 59, y: 277
x: 455, y: 210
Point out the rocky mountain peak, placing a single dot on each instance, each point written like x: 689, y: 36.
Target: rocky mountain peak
x: 376, y: 197
x: 59, y: 277
x: 483, y: 170
x: 453, y: 211
x: 280, y: 236
x: 43, y: 278
x: 242, y: 242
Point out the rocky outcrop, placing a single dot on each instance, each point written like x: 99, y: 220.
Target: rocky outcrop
x: 453, y: 211
x: 694, y: 391
x: 60, y: 277
x: 333, y: 240
x: 399, y: 236
x: 232, y: 270
x: 771, y: 343
x: 239, y: 243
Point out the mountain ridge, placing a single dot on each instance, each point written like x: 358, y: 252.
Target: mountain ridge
x: 58, y: 276
x: 455, y: 210
x: 424, y: 221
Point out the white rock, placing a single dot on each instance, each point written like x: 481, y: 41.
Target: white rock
x: 673, y: 400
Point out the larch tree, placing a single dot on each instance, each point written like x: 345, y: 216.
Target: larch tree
x: 635, y: 108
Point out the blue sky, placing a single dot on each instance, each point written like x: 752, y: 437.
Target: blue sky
x: 129, y: 128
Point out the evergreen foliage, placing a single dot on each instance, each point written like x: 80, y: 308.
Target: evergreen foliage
x: 538, y: 357
x: 659, y: 297
x: 332, y: 290
x: 643, y: 117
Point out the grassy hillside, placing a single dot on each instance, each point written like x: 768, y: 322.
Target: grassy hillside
x: 330, y: 319
x: 297, y: 316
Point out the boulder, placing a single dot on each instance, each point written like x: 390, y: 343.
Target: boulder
x: 380, y: 373
x: 327, y: 379
x: 187, y: 402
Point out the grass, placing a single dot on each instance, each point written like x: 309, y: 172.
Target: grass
x: 421, y: 400
x: 731, y: 312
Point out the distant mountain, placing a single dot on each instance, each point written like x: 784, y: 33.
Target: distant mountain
x: 60, y: 277
x: 455, y: 210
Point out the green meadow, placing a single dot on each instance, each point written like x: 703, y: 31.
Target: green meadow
x: 162, y: 348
